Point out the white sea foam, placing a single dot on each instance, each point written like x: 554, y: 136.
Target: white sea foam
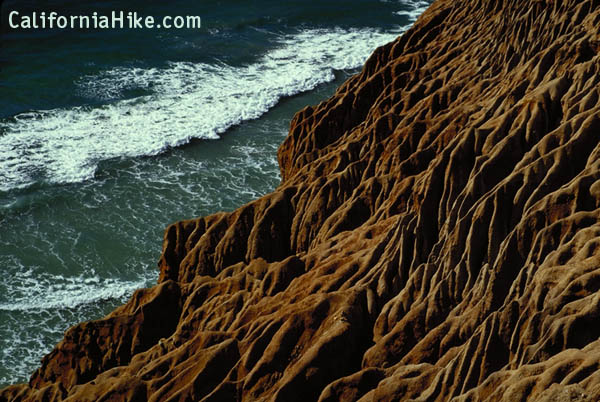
x: 42, y: 291
x: 412, y: 9
x: 186, y: 101
x: 38, y: 307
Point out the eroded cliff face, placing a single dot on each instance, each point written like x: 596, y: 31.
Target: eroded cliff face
x: 435, y: 237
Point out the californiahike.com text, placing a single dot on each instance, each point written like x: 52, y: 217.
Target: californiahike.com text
x: 116, y: 20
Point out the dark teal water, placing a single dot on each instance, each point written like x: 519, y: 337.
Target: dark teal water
x: 106, y: 137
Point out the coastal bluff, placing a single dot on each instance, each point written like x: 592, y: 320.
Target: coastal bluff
x: 435, y: 237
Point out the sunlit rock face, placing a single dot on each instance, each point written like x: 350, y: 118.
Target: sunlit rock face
x: 435, y: 237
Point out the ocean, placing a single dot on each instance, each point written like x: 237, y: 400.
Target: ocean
x: 108, y: 136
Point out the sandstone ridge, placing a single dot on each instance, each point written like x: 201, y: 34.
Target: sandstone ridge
x: 435, y: 237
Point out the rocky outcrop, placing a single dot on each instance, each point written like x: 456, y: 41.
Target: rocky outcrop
x: 435, y: 237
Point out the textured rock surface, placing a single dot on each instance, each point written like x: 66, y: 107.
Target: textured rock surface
x: 435, y: 237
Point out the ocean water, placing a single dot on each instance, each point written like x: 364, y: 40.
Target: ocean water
x: 107, y: 136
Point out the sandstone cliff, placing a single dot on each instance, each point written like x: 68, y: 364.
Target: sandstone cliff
x: 435, y: 237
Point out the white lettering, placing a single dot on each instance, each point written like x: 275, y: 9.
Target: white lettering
x: 120, y: 19
x: 10, y: 19
x: 84, y: 22
x: 135, y: 21
x: 116, y: 20
x: 51, y: 19
x: 34, y: 20
x: 179, y: 22
x: 26, y: 22
x: 62, y: 22
x: 194, y: 21
x: 103, y: 22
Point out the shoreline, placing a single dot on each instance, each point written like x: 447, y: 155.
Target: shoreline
x: 239, y: 136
